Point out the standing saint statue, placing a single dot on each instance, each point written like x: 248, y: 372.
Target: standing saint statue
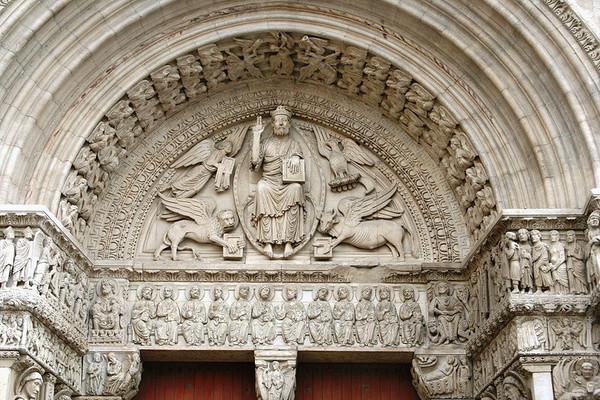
x: 279, y: 211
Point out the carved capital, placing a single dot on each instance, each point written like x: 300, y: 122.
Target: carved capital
x: 112, y: 374
x: 442, y: 376
x: 275, y: 373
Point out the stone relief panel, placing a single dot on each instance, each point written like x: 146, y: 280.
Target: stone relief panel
x: 275, y: 374
x: 576, y: 378
x: 113, y: 373
x: 494, y: 359
x: 20, y: 331
x: 280, y: 205
x: 509, y: 386
x: 539, y: 264
x: 106, y: 314
x: 41, y: 273
x: 297, y: 58
x: 437, y: 376
x: 251, y: 315
x: 449, y: 313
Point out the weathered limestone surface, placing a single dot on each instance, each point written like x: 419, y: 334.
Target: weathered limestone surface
x: 408, y: 181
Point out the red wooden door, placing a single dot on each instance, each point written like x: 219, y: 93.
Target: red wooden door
x: 235, y: 381
x: 354, y: 382
x: 197, y: 381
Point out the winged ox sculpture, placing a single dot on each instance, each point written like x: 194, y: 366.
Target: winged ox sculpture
x: 367, y: 223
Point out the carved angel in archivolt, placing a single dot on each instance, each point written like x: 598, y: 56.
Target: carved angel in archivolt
x: 321, y: 59
x: 244, y: 66
x: 367, y: 223
x: 205, y: 228
x: 341, y: 153
x: 281, y: 62
x: 203, y: 161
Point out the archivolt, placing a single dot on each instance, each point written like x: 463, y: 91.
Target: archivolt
x: 514, y: 78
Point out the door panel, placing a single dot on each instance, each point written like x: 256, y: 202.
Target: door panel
x: 197, y: 381
x: 354, y: 382
x: 235, y: 381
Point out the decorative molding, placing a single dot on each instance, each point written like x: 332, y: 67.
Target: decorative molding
x: 582, y: 34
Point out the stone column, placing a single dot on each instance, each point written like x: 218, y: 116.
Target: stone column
x: 541, y: 381
x: 275, y: 373
x: 47, y: 392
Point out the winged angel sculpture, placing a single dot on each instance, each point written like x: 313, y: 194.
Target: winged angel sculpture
x: 341, y: 153
x: 195, y: 221
x: 367, y: 223
x: 204, y: 160
x: 193, y: 217
x: 275, y: 383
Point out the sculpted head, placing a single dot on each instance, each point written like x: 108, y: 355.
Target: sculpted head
x: 587, y: 370
x: 366, y: 293
x: 226, y: 145
x: 227, y: 219
x: 384, y: 293
x: 31, y: 384
x: 322, y: 293
x: 106, y: 287
x: 217, y: 293
x: 9, y: 233
x: 282, y: 121
x: 265, y: 292
x: 511, y: 236
x: 28, y: 233
x: 327, y: 220
x: 290, y: 293
x: 536, y: 236
x: 570, y: 236
x: 244, y: 291
x: 342, y: 293
x: 523, y: 235
x: 194, y: 292
x: 147, y: 292
x: 554, y: 236
x: 97, y: 357
x: 594, y: 219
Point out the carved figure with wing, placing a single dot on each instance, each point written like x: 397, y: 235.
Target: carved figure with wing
x: 340, y: 153
x: 275, y: 382
x: 195, y: 221
x: 367, y: 223
x: 204, y: 160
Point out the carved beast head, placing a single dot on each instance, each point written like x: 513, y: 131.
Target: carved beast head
x: 327, y: 220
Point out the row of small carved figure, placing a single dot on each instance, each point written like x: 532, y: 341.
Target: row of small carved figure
x: 33, y: 261
x: 19, y: 330
x: 365, y: 323
x: 528, y: 265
